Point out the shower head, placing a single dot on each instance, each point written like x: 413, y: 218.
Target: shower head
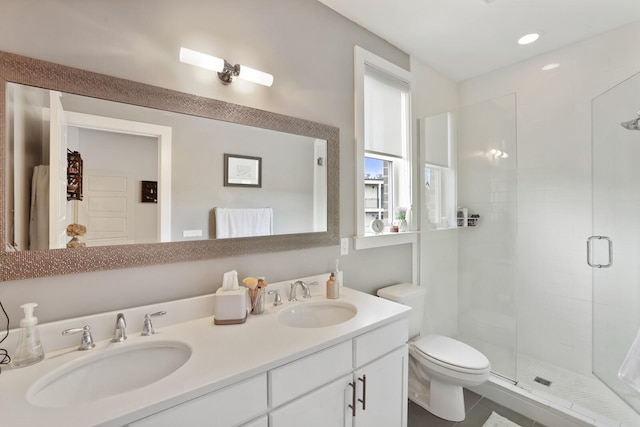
x: 632, y: 124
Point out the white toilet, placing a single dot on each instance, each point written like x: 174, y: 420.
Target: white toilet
x: 439, y: 366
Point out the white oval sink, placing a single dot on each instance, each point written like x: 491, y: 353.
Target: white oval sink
x: 107, y: 373
x: 317, y: 314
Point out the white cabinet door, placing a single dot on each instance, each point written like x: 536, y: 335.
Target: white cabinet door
x: 325, y: 407
x: 381, y: 390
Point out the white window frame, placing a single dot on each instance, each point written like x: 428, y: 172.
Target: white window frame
x: 363, y: 239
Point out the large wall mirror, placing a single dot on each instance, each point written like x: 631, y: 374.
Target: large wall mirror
x: 151, y: 175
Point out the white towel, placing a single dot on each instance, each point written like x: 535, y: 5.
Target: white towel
x: 243, y: 222
x: 630, y: 370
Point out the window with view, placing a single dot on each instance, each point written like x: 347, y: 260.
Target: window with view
x: 386, y: 147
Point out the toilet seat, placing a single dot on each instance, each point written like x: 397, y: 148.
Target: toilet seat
x: 452, y: 354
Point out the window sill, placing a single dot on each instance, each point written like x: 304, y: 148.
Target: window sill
x: 370, y: 241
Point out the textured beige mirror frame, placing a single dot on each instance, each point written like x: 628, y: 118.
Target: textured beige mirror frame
x: 33, y: 264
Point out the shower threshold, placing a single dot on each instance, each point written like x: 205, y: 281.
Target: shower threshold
x: 539, y: 403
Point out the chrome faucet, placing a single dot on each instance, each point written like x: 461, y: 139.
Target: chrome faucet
x: 147, y: 326
x: 87, y: 340
x: 307, y: 291
x: 120, y: 333
x: 277, y: 299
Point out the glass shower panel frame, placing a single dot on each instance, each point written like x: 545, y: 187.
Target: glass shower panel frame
x: 616, y: 214
x: 487, y: 252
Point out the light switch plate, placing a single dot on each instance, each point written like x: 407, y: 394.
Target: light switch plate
x: 344, y: 246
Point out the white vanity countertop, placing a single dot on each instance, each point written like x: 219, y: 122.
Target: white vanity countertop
x: 221, y: 355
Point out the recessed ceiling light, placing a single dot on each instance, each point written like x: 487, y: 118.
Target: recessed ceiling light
x: 549, y: 67
x: 529, y: 38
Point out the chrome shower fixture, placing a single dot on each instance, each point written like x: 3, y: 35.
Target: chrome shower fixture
x: 632, y: 124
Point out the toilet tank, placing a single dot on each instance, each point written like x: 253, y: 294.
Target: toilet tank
x: 411, y: 295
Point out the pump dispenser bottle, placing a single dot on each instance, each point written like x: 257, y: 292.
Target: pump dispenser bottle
x: 333, y: 289
x: 29, y: 350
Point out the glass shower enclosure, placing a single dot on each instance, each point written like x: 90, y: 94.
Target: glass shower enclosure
x: 614, y: 248
x: 487, y: 248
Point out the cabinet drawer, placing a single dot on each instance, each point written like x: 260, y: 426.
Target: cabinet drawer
x: 381, y: 341
x: 325, y: 407
x: 226, y: 407
x: 308, y: 373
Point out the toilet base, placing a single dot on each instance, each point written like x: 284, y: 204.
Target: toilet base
x: 447, y: 401
x: 449, y: 408
x: 444, y: 400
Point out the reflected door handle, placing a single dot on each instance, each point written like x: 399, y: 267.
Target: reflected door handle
x: 610, y: 245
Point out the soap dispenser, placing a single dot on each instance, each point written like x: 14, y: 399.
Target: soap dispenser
x: 29, y: 350
x: 333, y: 288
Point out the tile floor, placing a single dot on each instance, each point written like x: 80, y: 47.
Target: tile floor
x: 478, y: 411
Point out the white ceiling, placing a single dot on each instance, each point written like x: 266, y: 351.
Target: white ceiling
x: 466, y: 38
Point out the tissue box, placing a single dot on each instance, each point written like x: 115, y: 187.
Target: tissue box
x: 230, y: 307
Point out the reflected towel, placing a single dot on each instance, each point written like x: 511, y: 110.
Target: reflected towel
x: 243, y: 222
x: 630, y: 370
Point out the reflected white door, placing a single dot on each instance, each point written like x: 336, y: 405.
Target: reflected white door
x: 107, y: 210
x: 58, y: 173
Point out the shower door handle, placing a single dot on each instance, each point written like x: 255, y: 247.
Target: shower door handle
x: 609, y: 243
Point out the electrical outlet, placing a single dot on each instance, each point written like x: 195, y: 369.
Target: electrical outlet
x: 191, y: 233
x: 344, y: 246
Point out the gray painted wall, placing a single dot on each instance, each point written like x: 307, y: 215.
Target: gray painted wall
x: 305, y: 45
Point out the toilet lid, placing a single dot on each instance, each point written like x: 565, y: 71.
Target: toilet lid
x: 452, y: 352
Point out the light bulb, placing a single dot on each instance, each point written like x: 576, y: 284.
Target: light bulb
x: 202, y: 60
x: 255, y: 76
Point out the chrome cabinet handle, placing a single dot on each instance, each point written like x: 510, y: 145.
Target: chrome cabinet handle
x: 364, y: 392
x: 353, y: 398
x: 610, y: 244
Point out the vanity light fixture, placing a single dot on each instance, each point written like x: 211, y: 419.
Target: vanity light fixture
x: 226, y: 71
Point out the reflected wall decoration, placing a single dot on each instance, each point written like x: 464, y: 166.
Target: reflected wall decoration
x: 74, y: 175
x: 149, y: 192
x: 242, y: 171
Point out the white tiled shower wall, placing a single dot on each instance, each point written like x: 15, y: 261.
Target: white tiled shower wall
x: 552, y: 282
